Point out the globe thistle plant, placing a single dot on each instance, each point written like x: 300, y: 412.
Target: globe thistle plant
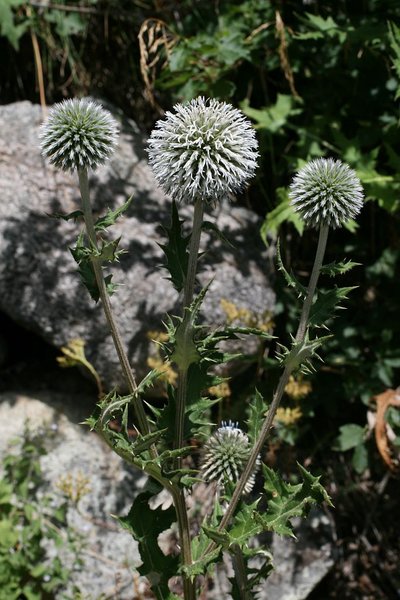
x: 78, y: 134
x: 205, y: 149
x: 326, y: 192
x: 225, y: 456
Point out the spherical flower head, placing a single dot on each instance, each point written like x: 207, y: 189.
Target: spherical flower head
x: 225, y: 456
x: 205, y: 149
x: 78, y: 134
x: 326, y: 192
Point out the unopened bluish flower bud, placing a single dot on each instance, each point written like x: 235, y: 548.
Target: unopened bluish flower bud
x: 225, y: 456
x: 205, y: 149
x: 78, y: 134
x: 326, y: 192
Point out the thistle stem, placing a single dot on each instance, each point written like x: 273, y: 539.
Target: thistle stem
x: 193, y: 252
x: 301, y: 331
x: 240, y: 572
x: 319, y: 257
x: 178, y: 495
x: 187, y: 300
x: 184, y: 538
x: 91, y: 232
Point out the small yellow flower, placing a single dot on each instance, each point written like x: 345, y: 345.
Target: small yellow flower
x: 246, y: 317
x: 288, y: 416
x: 165, y: 369
x: 297, y: 389
x: 157, y: 336
x: 74, y: 487
x: 222, y: 390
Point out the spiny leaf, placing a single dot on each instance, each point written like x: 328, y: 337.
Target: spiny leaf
x: 176, y: 250
x: 338, y: 268
x: 108, y: 252
x: 289, y: 277
x: 287, y: 500
x: 201, y: 563
x: 185, y: 350
x: 75, y: 215
x: 112, y: 215
x: 85, y: 269
x: 83, y: 257
x: 145, y: 525
x: 301, y: 351
x: 143, y: 442
x: 254, y: 575
x: 257, y: 411
x: 148, y: 381
x: 208, y: 226
x: 326, y: 303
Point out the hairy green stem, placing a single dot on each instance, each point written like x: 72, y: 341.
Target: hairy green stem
x: 187, y: 300
x: 193, y: 252
x: 91, y: 232
x: 301, y: 331
x: 240, y: 572
x: 185, y: 541
x: 319, y: 257
x: 178, y: 495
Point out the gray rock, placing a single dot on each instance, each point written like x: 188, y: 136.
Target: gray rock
x: 39, y: 286
x: 110, y: 554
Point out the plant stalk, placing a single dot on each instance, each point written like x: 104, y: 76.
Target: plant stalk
x: 91, y: 232
x: 301, y: 331
x: 240, y: 572
x: 188, y: 291
x: 178, y: 494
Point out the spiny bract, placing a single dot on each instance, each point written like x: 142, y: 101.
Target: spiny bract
x: 326, y: 192
x: 205, y: 149
x: 225, y: 456
x: 78, y: 134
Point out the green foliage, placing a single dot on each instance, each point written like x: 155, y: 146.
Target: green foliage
x: 105, y: 252
x: 257, y: 412
x: 29, y: 522
x: 288, y: 500
x: 352, y: 437
x: 9, y: 28
x: 327, y: 302
x: 176, y: 250
x: 111, y: 216
x: 282, y: 213
x: 338, y: 268
x: 290, y: 279
x: 145, y: 525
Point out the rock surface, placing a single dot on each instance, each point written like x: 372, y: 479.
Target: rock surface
x: 110, y: 554
x: 39, y: 286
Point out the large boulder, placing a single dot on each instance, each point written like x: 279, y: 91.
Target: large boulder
x: 39, y: 285
x: 109, y: 554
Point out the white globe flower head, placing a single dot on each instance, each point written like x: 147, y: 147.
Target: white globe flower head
x: 225, y: 456
x: 78, y: 134
x: 205, y: 149
x: 326, y: 192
